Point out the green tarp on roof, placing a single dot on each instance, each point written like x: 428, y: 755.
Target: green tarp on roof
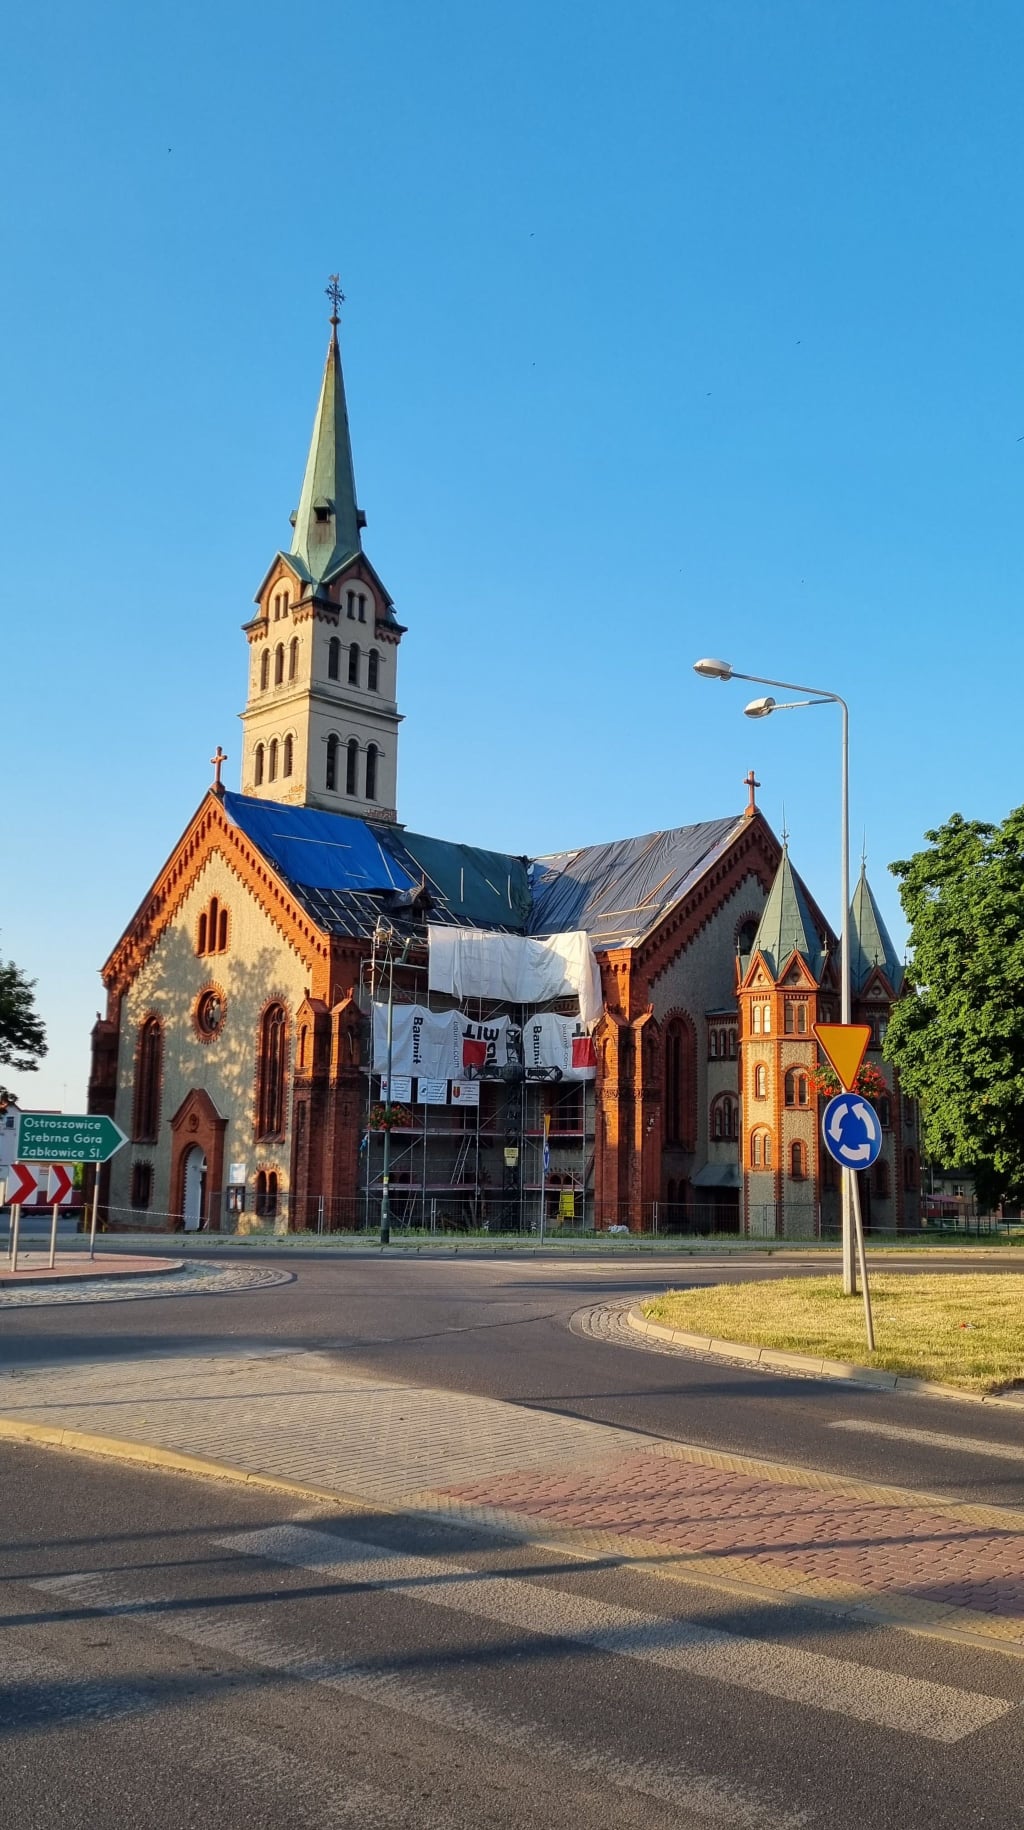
x: 485, y: 888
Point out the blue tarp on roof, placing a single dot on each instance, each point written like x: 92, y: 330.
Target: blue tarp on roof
x: 324, y: 851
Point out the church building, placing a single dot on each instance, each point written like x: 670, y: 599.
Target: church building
x: 620, y: 1034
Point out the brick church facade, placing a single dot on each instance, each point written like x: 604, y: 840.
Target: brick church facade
x: 235, y: 1050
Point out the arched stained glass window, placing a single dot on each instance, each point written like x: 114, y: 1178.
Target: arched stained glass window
x: 148, y: 1075
x: 270, y: 1072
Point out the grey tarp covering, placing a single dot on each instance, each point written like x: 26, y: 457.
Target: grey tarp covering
x: 619, y: 891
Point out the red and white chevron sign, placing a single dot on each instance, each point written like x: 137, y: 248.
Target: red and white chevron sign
x: 39, y: 1184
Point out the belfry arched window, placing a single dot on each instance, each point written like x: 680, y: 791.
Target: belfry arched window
x: 351, y: 763
x: 293, y: 657
x: 371, y: 771
x: 353, y: 664
x: 760, y: 1081
x: 333, y: 658
x: 331, y: 776
x: 270, y: 1072
x: 272, y: 770
x: 264, y: 670
x: 148, y: 1075
x: 257, y: 773
x: 372, y: 670
x: 288, y: 754
x: 278, y: 663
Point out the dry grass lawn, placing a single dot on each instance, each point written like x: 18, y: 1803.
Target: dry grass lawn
x: 961, y: 1330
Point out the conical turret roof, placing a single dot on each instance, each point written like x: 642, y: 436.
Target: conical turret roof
x: 870, y: 944
x: 787, y: 925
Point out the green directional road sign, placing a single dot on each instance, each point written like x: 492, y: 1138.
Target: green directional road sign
x: 56, y: 1137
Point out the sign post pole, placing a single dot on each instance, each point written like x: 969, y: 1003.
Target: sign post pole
x: 15, y: 1225
x: 869, y: 1326
x: 844, y: 1045
x: 54, y: 1216
x: 95, y: 1211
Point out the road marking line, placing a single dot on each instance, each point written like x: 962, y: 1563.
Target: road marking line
x: 937, y: 1712
x: 932, y: 1439
x: 711, y: 1803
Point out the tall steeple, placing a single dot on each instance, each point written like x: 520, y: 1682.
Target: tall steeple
x: 327, y: 521
x: 320, y: 725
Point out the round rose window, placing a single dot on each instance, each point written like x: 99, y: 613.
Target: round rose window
x: 210, y: 1013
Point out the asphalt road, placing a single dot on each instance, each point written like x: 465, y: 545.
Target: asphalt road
x: 179, y: 1653
x: 501, y: 1328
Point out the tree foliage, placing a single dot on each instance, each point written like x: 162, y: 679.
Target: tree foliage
x: 22, y: 1033
x: 958, y: 1039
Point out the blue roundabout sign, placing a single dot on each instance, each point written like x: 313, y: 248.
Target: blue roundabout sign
x: 852, y: 1131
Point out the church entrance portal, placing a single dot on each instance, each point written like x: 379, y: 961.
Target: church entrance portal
x: 194, y: 1190
x: 197, y: 1163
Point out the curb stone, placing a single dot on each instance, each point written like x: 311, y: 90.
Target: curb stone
x: 816, y: 1367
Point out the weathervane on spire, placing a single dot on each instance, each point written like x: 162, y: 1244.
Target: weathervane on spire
x: 336, y: 296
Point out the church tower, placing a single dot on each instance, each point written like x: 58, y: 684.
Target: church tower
x: 320, y: 726
x: 787, y: 983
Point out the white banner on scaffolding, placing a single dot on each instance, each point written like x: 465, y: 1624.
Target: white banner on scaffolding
x: 551, y: 1041
x: 445, y: 1045
x: 515, y: 968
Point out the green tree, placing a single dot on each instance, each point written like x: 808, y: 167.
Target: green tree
x: 958, y: 1039
x: 22, y: 1034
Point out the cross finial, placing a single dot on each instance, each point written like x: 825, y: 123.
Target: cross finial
x: 750, y: 784
x: 218, y: 762
x: 336, y: 296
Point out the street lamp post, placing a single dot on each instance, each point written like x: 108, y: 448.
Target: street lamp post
x: 762, y: 708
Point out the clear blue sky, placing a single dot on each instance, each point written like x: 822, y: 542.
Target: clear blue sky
x: 672, y: 329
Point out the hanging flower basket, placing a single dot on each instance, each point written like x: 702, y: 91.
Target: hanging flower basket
x: 870, y: 1082
x: 390, y: 1118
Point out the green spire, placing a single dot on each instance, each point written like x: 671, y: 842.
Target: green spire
x: 870, y: 945
x: 787, y: 925
x: 327, y: 522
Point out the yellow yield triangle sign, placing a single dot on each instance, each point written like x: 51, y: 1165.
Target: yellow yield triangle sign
x: 844, y: 1044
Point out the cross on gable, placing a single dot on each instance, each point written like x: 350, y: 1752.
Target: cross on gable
x: 750, y: 784
x: 218, y: 762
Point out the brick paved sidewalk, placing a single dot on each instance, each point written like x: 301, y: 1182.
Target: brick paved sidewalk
x: 584, y: 1488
